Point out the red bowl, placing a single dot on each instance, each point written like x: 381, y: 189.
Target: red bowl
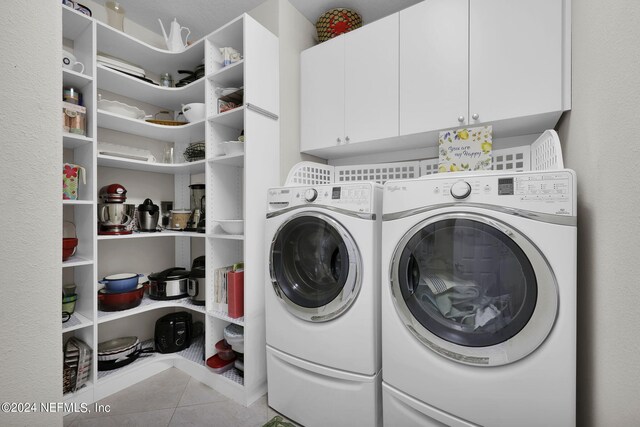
x: 69, y: 245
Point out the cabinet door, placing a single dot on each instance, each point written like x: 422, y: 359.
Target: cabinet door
x: 322, y: 95
x: 515, y: 58
x: 433, y: 65
x: 371, y: 79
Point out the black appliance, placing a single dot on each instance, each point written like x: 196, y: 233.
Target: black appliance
x: 169, y: 284
x: 196, y: 287
x: 173, y: 332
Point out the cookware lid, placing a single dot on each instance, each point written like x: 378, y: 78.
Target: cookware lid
x: 197, y: 186
x: 148, y: 206
x: 198, y: 272
x: 198, y: 262
x: 174, y: 273
x: 117, y: 344
x: 121, y: 276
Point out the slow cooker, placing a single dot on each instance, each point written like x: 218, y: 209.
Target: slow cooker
x: 169, y: 284
x: 196, y: 288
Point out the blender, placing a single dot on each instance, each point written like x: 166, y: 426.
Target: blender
x: 114, y: 215
x: 196, y: 221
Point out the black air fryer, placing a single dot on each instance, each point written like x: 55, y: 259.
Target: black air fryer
x: 173, y: 332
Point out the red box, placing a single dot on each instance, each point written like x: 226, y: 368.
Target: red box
x: 235, y: 288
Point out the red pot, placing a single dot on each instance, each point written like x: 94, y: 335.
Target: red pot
x: 69, y: 245
x: 108, y: 301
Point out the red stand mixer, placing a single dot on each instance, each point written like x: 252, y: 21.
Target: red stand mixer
x: 114, y: 215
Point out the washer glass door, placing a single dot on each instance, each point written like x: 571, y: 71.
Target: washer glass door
x: 465, y: 284
x: 314, y: 266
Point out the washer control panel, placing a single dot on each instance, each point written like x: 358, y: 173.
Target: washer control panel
x: 550, y: 192
x: 352, y: 197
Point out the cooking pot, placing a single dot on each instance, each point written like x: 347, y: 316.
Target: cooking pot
x: 169, y: 284
x: 148, y: 215
x: 123, y: 282
x: 110, y: 301
x: 196, y: 288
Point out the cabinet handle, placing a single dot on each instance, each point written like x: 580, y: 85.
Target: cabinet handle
x: 475, y: 116
x: 338, y: 140
x: 346, y: 140
x: 461, y: 119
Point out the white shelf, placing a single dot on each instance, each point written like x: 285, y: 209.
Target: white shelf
x: 72, y: 140
x: 152, y: 59
x: 77, y: 321
x: 139, y: 165
x: 236, y: 160
x: 230, y: 76
x: 75, y: 79
x: 232, y: 118
x: 226, y: 236
x: 143, y: 235
x: 76, y: 261
x: 166, y: 97
x: 225, y: 316
x: 230, y: 34
x: 190, y: 132
x: 73, y: 23
x: 78, y: 395
x: 193, y: 354
x: 148, y: 304
x: 77, y: 202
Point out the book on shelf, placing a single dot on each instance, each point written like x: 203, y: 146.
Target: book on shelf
x: 221, y: 281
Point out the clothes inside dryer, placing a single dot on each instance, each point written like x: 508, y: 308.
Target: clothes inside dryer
x: 467, y: 282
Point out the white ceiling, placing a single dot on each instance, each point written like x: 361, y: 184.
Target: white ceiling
x: 204, y: 16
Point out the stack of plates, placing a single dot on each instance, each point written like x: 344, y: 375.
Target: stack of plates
x: 119, y: 65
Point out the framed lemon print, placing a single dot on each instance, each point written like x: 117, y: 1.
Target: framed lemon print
x: 466, y: 149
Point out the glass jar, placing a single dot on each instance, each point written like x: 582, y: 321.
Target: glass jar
x: 166, y: 80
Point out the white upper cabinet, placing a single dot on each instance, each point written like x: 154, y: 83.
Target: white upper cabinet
x: 437, y: 65
x: 434, y: 71
x: 349, y: 87
x: 515, y: 58
x: 371, y: 78
x: 469, y: 62
x: 322, y: 95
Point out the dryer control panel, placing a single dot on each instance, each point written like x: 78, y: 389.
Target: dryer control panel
x: 551, y: 192
x: 357, y: 197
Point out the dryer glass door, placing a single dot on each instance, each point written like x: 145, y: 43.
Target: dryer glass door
x: 465, y: 284
x: 314, y: 265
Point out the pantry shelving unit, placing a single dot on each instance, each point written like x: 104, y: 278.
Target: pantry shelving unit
x: 237, y: 186
x: 231, y: 192
x: 78, y: 38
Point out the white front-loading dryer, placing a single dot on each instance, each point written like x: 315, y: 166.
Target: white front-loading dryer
x: 479, y: 300
x: 322, y: 302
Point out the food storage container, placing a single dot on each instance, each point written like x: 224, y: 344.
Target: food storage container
x: 74, y: 118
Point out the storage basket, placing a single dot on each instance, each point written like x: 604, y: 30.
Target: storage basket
x: 545, y: 153
x: 337, y: 21
x: 195, y: 151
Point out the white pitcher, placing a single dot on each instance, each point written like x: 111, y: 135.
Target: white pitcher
x: 174, y: 39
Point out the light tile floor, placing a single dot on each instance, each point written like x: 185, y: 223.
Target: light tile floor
x: 173, y: 398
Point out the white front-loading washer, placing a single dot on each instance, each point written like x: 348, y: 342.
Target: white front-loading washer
x: 479, y: 300
x: 322, y: 302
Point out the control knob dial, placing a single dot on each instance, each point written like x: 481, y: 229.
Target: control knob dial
x: 460, y: 190
x: 311, y: 194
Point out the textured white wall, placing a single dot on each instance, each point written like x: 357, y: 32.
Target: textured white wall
x: 30, y: 240
x: 600, y: 141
